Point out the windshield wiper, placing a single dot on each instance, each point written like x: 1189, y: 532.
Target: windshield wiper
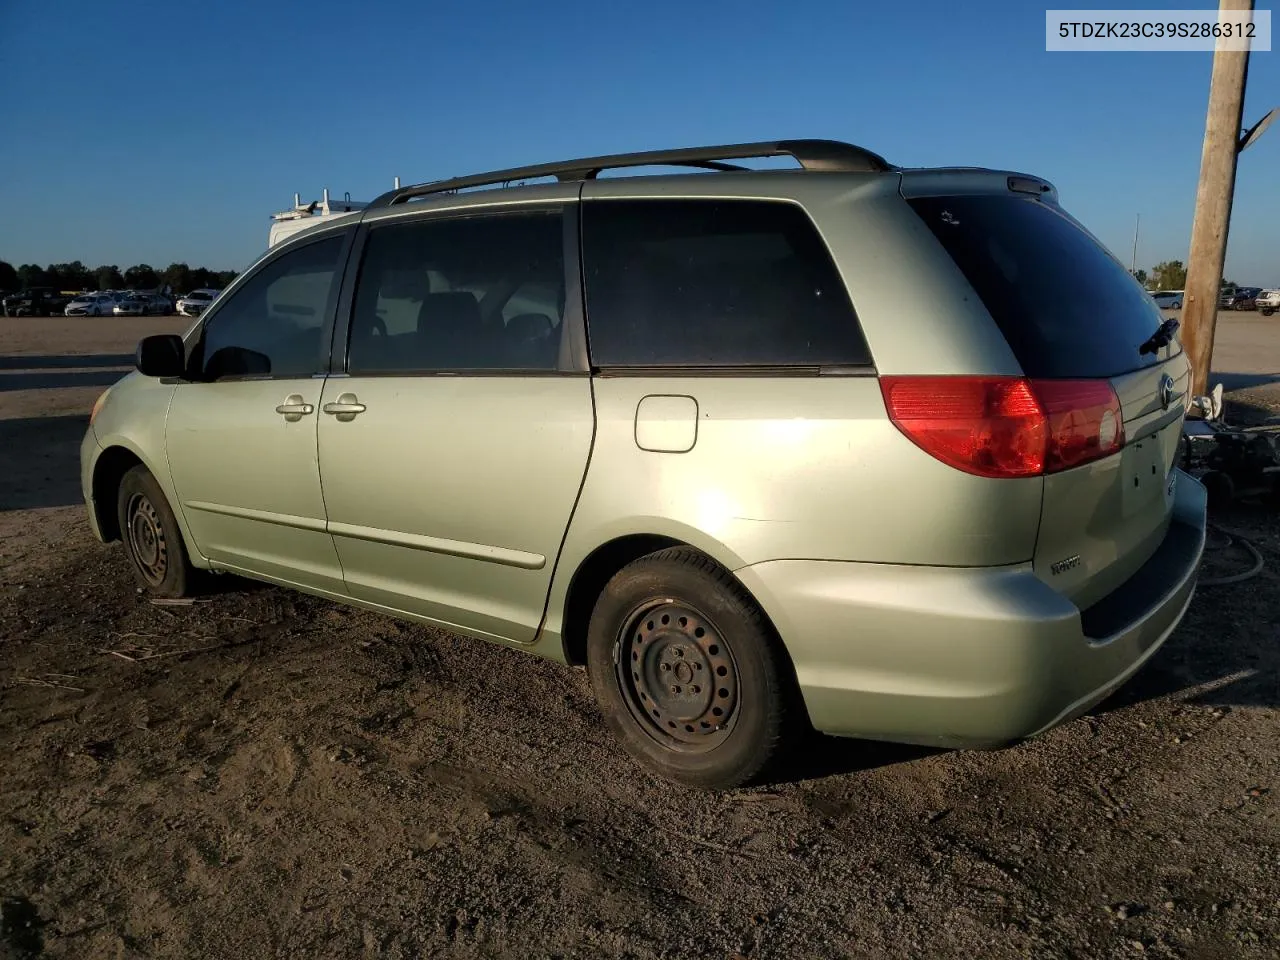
x: 1161, y: 338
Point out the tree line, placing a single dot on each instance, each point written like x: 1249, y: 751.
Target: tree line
x: 76, y: 276
x: 1172, y: 275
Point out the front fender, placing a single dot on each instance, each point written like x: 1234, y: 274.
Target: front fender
x: 133, y: 418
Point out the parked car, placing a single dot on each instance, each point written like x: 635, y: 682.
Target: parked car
x: 160, y: 305
x: 35, y: 302
x: 1168, y: 299
x: 1241, y: 298
x: 668, y: 448
x: 1268, y: 302
x: 132, y: 305
x: 99, y: 304
x: 193, y: 304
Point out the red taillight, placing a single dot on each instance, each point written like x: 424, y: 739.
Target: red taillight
x: 1085, y: 422
x: 1006, y: 426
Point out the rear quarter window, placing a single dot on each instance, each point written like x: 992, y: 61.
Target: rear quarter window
x: 1066, y: 307
x: 695, y: 282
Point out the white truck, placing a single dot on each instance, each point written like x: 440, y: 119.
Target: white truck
x: 1268, y: 302
x: 304, y: 216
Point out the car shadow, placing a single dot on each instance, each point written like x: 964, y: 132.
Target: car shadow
x: 58, y: 371
x: 1242, y: 381
x: 66, y: 360
x: 818, y: 756
x: 38, y: 380
x: 42, y: 462
x: 1225, y: 652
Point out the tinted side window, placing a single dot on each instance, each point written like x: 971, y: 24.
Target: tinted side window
x: 466, y: 293
x: 713, y: 282
x: 1065, y: 305
x: 272, y: 325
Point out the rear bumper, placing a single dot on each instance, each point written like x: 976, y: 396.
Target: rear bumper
x: 970, y: 657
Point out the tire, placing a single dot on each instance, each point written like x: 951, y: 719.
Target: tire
x: 1268, y: 311
x: 151, y: 536
x: 645, y: 672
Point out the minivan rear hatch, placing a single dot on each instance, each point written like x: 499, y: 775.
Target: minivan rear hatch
x: 1070, y: 311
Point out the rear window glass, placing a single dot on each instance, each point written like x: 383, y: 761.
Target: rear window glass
x: 1064, y: 304
x: 713, y: 283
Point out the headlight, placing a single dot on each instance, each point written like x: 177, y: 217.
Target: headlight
x: 98, y: 405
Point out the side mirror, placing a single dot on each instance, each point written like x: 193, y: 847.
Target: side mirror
x: 161, y: 356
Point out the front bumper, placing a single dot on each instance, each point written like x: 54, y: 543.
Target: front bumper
x: 969, y: 657
x: 89, y: 450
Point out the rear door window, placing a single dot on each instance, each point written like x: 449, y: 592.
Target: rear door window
x: 1066, y: 307
x: 482, y: 292
x: 713, y: 283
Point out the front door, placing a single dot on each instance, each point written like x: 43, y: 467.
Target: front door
x: 241, y: 438
x: 453, y: 451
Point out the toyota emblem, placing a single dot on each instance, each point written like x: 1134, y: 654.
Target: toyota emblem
x: 1166, y: 391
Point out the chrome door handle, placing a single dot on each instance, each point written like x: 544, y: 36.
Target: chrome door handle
x: 294, y: 408
x: 345, y: 407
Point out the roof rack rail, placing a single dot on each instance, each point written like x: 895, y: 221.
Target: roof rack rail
x: 818, y: 155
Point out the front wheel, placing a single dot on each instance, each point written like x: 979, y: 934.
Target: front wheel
x: 689, y: 673
x: 1268, y: 311
x: 152, y: 537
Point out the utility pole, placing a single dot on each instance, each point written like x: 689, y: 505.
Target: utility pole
x: 1213, y: 204
x: 1133, y: 263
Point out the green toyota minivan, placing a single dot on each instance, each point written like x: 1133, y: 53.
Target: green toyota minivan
x: 889, y: 453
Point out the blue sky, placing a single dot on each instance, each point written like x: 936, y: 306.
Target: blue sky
x: 145, y: 131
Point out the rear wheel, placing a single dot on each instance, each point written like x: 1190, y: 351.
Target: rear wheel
x: 151, y: 536
x: 688, y: 672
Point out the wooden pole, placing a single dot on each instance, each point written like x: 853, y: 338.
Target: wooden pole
x: 1213, y: 205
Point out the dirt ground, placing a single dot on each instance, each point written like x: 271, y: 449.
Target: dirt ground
x: 262, y: 774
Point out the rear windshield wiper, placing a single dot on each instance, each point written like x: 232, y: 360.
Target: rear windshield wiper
x: 1161, y: 338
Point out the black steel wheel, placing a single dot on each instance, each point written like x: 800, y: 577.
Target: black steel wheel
x: 151, y: 535
x: 146, y: 539
x: 677, y: 676
x: 688, y: 672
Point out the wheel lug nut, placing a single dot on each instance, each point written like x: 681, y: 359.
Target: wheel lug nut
x: 666, y: 667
